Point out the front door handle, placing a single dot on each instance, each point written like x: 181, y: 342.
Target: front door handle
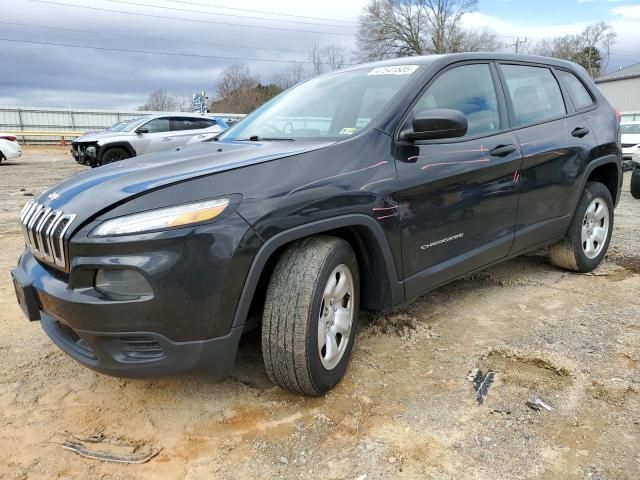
x: 580, y: 132
x: 166, y: 139
x: 502, y: 150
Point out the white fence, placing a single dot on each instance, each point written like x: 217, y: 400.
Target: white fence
x: 72, y: 120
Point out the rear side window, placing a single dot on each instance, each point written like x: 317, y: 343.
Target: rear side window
x: 579, y: 93
x: 535, y: 93
x: 187, y: 123
x: 468, y: 89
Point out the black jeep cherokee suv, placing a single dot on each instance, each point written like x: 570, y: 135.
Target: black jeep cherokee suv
x: 365, y: 188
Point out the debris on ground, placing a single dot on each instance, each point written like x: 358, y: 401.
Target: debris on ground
x: 537, y: 404
x: 481, y: 384
x: 110, y: 450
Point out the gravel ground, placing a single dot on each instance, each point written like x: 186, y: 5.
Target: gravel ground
x: 406, y: 408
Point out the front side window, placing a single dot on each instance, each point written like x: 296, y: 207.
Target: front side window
x: 468, y: 89
x: 158, y: 125
x: 535, y: 94
x: 334, y: 106
x: 578, y: 91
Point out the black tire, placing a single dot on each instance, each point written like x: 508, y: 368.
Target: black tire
x: 570, y: 252
x: 292, y: 310
x: 114, y: 155
x: 635, y: 183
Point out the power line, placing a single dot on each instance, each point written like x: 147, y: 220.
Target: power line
x: 261, y: 11
x: 151, y: 52
x: 225, y: 14
x: 262, y: 27
x: 122, y: 35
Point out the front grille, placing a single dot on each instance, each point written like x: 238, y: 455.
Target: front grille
x: 629, y: 145
x: 44, y: 231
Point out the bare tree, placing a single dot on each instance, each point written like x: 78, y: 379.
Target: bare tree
x: 590, y: 48
x: 241, y: 92
x: 292, y: 76
x: 314, y: 54
x: 182, y: 103
x: 160, y: 101
x: 391, y: 28
x: 333, y: 56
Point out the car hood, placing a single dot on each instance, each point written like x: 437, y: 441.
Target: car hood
x: 91, y: 192
x: 95, y: 136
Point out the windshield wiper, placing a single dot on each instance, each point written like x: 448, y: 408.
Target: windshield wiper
x: 256, y: 138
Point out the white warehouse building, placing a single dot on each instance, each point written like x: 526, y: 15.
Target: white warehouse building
x: 622, y: 89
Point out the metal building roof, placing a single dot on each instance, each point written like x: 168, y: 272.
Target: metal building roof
x: 632, y: 71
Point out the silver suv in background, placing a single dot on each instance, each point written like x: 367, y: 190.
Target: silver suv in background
x: 142, y: 135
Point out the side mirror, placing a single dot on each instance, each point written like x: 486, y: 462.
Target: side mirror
x: 142, y: 130
x: 436, y: 124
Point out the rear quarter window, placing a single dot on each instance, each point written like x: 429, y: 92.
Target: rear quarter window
x: 534, y: 92
x: 579, y: 93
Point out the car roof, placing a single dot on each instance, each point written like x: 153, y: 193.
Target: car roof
x: 177, y: 114
x: 461, y: 57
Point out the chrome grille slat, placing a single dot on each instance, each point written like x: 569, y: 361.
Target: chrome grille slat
x: 44, y: 231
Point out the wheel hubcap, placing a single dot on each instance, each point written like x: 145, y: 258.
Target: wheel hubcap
x: 595, y: 227
x: 336, y: 317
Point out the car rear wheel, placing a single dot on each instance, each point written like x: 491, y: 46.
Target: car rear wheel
x: 635, y: 183
x: 114, y: 155
x: 589, y: 234
x: 310, y: 315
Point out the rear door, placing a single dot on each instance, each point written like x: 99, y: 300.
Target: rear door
x: 459, y: 196
x: 555, y: 145
x: 184, y: 129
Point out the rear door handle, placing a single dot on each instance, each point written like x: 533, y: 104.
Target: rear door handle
x: 166, y: 139
x: 502, y: 150
x: 580, y: 132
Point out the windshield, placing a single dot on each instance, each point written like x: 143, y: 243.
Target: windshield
x: 334, y: 106
x: 631, y: 128
x: 127, y: 125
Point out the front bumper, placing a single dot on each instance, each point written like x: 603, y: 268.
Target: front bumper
x: 196, y: 275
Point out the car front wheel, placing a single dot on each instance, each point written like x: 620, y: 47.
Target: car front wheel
x: 310, y: 315
x: 587, y: 239
x: 114, y: 155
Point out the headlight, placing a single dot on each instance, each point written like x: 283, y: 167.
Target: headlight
x: 90, y: 151
x: 162, y: 218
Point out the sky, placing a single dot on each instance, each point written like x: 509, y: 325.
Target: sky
x: 138, y: 46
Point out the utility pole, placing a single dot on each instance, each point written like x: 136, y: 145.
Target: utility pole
x: 517, y: 43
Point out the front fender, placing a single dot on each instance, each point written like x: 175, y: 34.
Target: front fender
x: 281, y: 239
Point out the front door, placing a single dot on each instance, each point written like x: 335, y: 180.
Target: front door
x: 156, y: 139
x: 458, y: 196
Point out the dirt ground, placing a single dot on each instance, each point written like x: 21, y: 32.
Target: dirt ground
x: 406, y: 408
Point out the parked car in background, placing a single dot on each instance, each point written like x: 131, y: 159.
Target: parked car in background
x: 630, y: 136
x: 635, y: 174
x: 362, y: 188
x: 9, y: 147
x: 142, y: 135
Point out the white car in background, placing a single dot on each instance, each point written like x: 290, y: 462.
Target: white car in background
x: 9, y: 147
x: 630, y: 140
x: 142, y: 135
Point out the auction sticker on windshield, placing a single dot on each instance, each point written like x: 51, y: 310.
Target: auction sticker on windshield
x: 394, y: 70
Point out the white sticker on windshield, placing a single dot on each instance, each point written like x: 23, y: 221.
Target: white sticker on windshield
x: 394, y: 70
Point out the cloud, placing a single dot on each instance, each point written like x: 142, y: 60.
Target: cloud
x: 631, y: 12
